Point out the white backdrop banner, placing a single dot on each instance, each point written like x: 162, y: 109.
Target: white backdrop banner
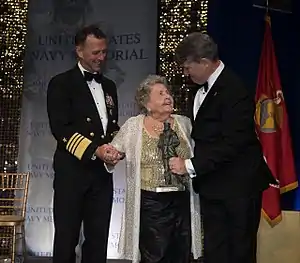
x: 131, y: 28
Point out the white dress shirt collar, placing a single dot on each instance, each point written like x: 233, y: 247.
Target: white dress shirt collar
x: 213, y: 77
x: 82, y: 69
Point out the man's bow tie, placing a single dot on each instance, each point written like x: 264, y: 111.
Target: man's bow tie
x: 204, y: 86
x: 88, y: 76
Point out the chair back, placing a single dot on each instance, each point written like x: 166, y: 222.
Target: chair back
x: 13, y: 193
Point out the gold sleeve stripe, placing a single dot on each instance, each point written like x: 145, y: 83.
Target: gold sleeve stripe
x: 72, y: 141
x: 75, y: 145
x: 82, y: 146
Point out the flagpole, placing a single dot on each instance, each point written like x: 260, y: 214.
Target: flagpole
x: 267, y: 16
x: 273, y: 9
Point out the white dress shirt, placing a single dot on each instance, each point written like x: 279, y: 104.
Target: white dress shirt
x: 98, y: 95
x: 199, y: 98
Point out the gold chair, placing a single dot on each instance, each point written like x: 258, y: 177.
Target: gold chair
x: 13, y: 199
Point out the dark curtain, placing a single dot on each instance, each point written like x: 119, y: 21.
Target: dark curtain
x: 238, y: 29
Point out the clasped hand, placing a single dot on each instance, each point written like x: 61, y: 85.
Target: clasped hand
x: 177, y: 166
x: 109, y: 154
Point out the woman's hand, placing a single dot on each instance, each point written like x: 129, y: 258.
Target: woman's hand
x: 177, y: 166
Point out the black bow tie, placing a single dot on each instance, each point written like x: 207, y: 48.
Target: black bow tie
x: 196, y: 87
x: 88, y: 76
x: 204, y: 86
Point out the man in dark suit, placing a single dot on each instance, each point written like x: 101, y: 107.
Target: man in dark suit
x: 82, y: 107
x: 228, y: 167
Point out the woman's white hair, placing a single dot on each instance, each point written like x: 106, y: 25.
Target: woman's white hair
x: 144, y: 89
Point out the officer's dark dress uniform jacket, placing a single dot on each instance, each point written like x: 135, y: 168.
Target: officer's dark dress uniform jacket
x: 83, y: 189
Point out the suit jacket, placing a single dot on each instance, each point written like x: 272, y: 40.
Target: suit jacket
x: 228, y: 158
x: 76, y: 124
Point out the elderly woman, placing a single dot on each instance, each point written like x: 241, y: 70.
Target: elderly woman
x: 160, y: 223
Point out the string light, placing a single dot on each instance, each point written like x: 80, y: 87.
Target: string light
x: 13, y: 27
x: 176, y: 20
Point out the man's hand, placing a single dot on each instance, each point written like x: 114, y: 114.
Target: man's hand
x: 177, y: 166
x: 109, y: 154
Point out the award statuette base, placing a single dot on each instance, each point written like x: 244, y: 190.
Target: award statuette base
x: 166, y: 189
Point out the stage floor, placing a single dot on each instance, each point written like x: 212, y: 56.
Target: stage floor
x: 49, y: 260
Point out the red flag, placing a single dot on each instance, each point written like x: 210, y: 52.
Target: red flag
x: 273, y: 129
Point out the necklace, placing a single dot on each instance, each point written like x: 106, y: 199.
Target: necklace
x: 158, y: 128
x: 156, y: 125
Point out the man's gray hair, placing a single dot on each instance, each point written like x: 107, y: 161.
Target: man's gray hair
x: 144, y: 89
x: 195, y: 47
